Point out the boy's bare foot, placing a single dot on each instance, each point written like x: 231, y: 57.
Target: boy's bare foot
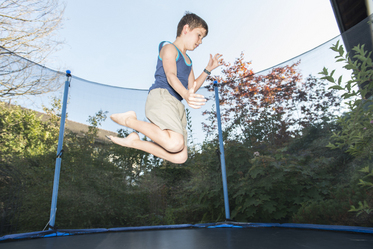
x: 127, y: 141
x: 122, y: 118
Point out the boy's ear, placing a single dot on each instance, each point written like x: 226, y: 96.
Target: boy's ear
x: 186, y: 29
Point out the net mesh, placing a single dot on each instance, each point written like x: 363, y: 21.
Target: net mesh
x: 277, y: 125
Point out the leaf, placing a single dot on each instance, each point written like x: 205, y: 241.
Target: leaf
x: 269, y: 206
x: 365, y: 169
x: 329, y: 78
x: 341, y: 50
x: 365, y: 183
x: 335, y: 47
x: 324, y: 71
x: 332, y: 73
x: 340, y: 80
x: 332, y: 146
x: 251, y: 202
x: 337, y: 87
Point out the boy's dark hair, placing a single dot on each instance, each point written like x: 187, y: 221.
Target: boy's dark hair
x: 193, y: 21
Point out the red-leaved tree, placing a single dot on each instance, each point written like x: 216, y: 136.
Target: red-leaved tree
x: 269, y: 107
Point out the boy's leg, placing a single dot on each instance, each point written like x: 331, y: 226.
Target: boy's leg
x: 171, y: 141
x: 133, y: 141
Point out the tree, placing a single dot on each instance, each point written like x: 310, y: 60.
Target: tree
x: 271, y: 107
x: 27, y: 28
x: 357, y: 124
x: 23, y: 133
x: 356, y: 133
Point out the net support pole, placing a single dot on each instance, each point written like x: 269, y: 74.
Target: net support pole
x: 57, y: 170
x: 222, y: 156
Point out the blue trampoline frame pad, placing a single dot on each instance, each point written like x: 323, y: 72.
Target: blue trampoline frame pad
x: 238, y: 225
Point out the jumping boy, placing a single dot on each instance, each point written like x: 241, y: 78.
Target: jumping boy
x: 174, y: 81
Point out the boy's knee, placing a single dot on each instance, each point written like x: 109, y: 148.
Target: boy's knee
x: 175, y: 145
x: 180, y: 158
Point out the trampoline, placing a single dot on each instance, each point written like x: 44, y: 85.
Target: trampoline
x: 219, y: 236
x: 129, y: 198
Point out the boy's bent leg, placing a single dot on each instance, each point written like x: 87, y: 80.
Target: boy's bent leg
x: 133, y: 141
x: 169, y: 140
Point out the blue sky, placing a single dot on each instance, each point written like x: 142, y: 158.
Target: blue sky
x: 115, y: 42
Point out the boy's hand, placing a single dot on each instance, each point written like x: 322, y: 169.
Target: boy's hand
x: 195, y: 101
x: 214, y: 62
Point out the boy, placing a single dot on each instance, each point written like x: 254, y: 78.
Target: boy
x: 174, y: 81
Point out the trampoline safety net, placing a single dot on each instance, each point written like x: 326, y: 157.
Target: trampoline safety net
x: 298, y: 146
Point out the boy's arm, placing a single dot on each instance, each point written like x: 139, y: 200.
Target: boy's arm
x: 214, y: 62
x: 169, y: 55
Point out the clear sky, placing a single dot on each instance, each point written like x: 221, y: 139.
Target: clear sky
x: 115, y: 42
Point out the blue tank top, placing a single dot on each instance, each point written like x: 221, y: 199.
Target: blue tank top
x: 183, y: 72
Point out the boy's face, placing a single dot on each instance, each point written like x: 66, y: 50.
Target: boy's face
x: 194, y: 37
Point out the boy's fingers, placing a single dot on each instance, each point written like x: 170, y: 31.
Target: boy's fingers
x: 195, y: 107
x: 199, y: 96
x: 193, y: 102
x: 197, y: 103
x: 197, y: 100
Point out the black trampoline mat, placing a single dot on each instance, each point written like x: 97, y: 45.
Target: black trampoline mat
x: 206, y: 238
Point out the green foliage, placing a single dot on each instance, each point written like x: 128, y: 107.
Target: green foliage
x: 273, y: 189
x: 24, y: 134
x: 366, y: 183
x: 96, y: 189
x: 193, y: 190
x: 335, y: 209
x: 356, y: 133
x: 362, y: 208
x: 326, y: 211
x: 99, y: 185
x: 28, y: 142
x: 357, y: 124
x: 266, y: 184
x: 277, y: 181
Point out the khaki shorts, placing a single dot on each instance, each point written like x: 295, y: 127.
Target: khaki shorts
x: 167, y: 112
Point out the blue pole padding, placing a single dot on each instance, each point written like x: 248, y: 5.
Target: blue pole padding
x: 222, y: 156
x: 57, y: 170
